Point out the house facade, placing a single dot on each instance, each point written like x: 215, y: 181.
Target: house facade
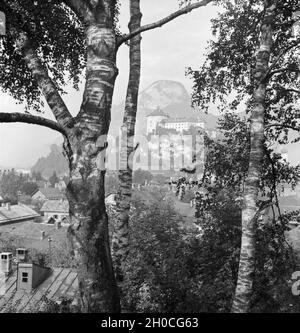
x: 55, y: 210
x: 159, y: 118
x: 49, y: 193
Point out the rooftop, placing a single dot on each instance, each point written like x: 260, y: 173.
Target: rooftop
x: 57, y: 206
x: 50, y: 193
x: 184, y: 120
x: 16, y: 213
x: 28, y: 234
x: 62, y: 283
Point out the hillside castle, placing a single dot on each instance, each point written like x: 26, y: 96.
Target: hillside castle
x: 158, y: 118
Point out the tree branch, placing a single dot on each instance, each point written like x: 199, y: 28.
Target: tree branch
x: 282, y: 70
x: 163, y: 21
x: 31, y: 119
x: 283, y: 52
x: 281, y: 93
x: 45, y: 83
x: 283, y: 126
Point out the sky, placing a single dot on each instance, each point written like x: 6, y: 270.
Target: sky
x: 166, y: 52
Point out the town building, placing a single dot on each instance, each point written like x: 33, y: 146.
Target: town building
x: 182, y: 124
x: 49, y: 193
x: 110, y: 199
x: 16, y: 213
x: 159, y: 118
x: 61, y: 185
x: 33, y: 235
x: 155, y: 118
x: 55, y: 210
x: 42, y: 183
x: 25, y: 286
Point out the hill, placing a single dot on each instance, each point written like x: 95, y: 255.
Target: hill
x: 170, y: 96
x: 55, y: 161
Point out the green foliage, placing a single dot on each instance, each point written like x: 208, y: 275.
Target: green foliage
x: 53, y: 179
x: 37, y: 175
x: 162, y: 267
x: 111, y: 183
x: 55, y: 33
x: 29, y: 187
x: 140, y: 176
x: 218, y: 213
x: 11, y: 183
x: 160, y: 179
x: 229, y: 65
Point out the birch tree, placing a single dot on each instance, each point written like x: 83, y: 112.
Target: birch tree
x: 254, y: 58
x: 250, y: 210
x: 45, y: 43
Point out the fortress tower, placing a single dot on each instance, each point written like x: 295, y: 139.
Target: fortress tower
x: 155, y: 118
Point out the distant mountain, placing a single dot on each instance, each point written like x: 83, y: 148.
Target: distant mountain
x: 170, y: 96
x: 55, y: 161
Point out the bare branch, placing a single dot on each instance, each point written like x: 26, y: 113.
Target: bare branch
x: 283, y: 126
x: 163, y: 21
x: 31, y: 119
x: 282, y: 70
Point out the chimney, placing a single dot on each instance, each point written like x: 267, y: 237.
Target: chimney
x: 57, y: 225
x: 43, y: 235
x: 30, y: 276
x: 21, y: 254
x: 6, y: 262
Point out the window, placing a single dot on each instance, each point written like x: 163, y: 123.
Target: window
x: 24, y: 277
x: 4, y: 256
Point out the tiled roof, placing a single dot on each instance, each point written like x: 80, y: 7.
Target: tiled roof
x: 29, y: 233
x: 16, y: 213
x: 63, y: 282
x: 184, y: 120
x: 57, y: 206
x: 50, y: 193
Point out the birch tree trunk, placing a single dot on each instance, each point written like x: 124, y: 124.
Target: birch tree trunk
x: 88, y: 232
x: 121, y: 235
x: 242, y: 298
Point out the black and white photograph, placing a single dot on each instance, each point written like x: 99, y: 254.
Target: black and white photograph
x: 149, y: 159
